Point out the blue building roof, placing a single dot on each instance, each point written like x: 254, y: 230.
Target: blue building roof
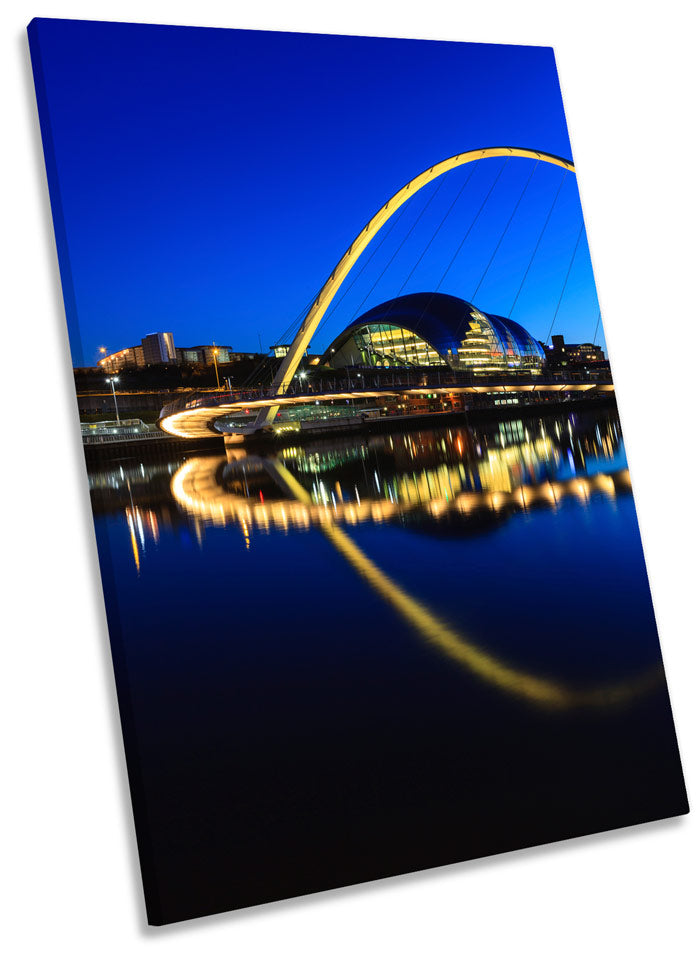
x: 441, y: 320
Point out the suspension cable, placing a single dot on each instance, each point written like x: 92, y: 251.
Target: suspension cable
x: 463, y: 241
x: 259, y: 370
x: 437, y: 230
x: 388, y: 264
x: 563, y: 289
x: 337, y: 301
x: 432, y: 239
x: 537, y: 245
x: 505, y: 231
x: 474, y: 221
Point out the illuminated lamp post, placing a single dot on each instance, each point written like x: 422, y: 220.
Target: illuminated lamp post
x: 216, y: 367
x: 111, y: 381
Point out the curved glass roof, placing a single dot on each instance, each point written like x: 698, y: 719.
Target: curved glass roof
x: 439, y: 319
x: 449, y: 325
x: 510, y: 331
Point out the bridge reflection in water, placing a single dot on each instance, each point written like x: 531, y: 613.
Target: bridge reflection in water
x: 464, y: 477
x: 407, y: 648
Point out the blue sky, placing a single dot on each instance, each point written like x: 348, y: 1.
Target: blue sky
x: 210, y: 179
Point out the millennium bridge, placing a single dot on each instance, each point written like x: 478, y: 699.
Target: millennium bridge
x: 213, y: 415
x: 398, y: 326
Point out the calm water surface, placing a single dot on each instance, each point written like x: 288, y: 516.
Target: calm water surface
x: 361, y: 656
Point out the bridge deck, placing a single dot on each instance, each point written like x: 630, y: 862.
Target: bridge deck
x: 196, y: 418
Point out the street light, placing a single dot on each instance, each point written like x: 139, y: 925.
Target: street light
x: 216, y: 367
x: 112, y: 379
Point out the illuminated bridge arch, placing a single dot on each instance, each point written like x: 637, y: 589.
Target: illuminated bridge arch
x: 198, y: 420
x: 325, y: 296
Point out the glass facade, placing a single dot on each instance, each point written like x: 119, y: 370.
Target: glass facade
x: 492, y: 343
x: 432, y: 329
x: 383, y: 346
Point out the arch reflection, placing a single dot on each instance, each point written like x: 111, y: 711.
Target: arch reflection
x: 223, y: 491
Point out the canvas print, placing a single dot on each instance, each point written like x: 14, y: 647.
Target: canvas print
x: 373, y: 576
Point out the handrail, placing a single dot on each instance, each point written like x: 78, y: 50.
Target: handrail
x: 444, y: 380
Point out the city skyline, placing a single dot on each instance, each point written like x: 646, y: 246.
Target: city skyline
x: 214, y: 347
x: 377, y: 604
x: 169, y: 225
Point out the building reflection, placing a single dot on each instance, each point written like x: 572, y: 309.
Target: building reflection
x: 457, y: 478
x: 461, y: 478
x: 452, y: 475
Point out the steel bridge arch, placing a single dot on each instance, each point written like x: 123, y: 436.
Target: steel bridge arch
x: 322, y: 302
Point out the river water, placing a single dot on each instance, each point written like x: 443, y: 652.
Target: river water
x: 367, y: 655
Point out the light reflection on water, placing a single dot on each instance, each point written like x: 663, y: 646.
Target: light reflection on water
x: 511, y: 466
x: 373, y: 654
x: 449, y: 481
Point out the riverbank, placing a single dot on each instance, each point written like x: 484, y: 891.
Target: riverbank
x: 481, y: 415
x: 164, y: 443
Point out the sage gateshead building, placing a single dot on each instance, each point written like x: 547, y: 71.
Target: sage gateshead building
x: 431, y: 329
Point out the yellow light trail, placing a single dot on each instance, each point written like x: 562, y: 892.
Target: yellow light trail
x: 312, y: 319
x: 134, y: 544
x: 546, y: 692
x: 198, y: 422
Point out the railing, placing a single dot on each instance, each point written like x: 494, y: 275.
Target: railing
x: 370, y: 381
x: 126, y: 430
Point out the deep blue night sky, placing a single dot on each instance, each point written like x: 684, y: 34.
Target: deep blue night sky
x: 210, y: 179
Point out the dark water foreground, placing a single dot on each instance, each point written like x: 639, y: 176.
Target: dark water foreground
x: 365, y: 656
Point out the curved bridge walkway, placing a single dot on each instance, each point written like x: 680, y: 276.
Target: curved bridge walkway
x: 197, y: 417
